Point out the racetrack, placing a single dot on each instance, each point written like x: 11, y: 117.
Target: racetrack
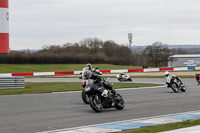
x: 135, y: 80
x: 43, y: 112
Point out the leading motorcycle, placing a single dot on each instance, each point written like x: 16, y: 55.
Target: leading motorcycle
x: 101, y: 98
x: 175, y: 83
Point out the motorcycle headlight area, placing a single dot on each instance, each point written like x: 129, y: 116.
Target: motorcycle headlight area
x: 87, y: 88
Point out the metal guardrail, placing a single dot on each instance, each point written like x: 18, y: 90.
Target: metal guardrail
x: 11, y: 82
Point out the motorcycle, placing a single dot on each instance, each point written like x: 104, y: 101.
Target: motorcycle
x: 84, y: 96
x: 175, y: 83
x: 124, y: 77
x: 101, y: 98
x: 197, y: 78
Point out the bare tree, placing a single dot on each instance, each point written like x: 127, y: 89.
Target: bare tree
x: 94, y: 44
x: 157, y: 53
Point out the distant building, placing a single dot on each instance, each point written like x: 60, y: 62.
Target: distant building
x: 184, y: 60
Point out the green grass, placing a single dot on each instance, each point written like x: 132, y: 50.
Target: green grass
x: 164, y: 127
x: 48, y: 87
x: 25, y: 68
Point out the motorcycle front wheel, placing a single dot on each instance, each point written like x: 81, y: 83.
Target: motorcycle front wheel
x: 85, y: 97
x: 174, y: 87
x: 95, y: 103
x: 119, y: 102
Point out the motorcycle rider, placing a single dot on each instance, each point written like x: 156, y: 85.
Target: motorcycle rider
x: 173, y: 76
x: 121, y: 75
x: 98, y: 80
x: 87, y: 67
x: 197, y: 78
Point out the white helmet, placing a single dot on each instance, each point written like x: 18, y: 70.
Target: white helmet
x: 166, y: 73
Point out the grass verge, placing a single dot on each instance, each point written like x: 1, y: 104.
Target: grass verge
x: 48, y: 87
x: 25, y: 68
x: 164, y: 127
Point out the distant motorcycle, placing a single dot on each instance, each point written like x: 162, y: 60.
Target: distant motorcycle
x: 101, y: 98
x: 175, y: 83
x: 84, y: 96
x: 123, y: 77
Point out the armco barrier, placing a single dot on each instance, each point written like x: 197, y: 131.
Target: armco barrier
x: 103, y: 71
x: 11, y: 82
x: 180, y: 68
x: 152, y: 70
x: 119, y: 71
x: 135, y: 70
x: 166, y: 69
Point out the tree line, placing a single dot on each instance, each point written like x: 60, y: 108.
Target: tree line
x: 93, y: 50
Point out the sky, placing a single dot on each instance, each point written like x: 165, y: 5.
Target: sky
x: 35, y: 23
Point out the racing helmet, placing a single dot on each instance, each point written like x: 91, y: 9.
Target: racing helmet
x: 196, y: 73
x: 87, y: 74
x: 89, y: 66
x: 166, y: 73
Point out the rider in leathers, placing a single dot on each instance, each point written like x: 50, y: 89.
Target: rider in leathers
x: 87, y: 67
x: 173, y: 76
x: 98, y: 80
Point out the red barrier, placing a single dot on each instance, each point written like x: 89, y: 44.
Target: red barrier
x: 4, y: 3
x: 22, y: 74
x: 105, y: 71
x: 64, y: 73
x: 166, y: 69
x: 4, y: 27
x: 135, y: 70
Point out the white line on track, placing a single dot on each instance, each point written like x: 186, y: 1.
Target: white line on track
x: 116, y: 89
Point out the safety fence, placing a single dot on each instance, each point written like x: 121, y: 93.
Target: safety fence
x: 103, y: 71
x: 11, y: 82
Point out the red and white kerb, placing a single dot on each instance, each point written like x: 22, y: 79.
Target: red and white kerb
x: 4, y: 26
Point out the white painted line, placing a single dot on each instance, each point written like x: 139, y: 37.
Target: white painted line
x: 159, y: 121
x: 91, y: 130
x: 139, y: 88
x: 66, y: 92
x: 195, y: 113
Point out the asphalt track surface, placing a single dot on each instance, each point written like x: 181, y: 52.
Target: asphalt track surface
x: 44, y: 112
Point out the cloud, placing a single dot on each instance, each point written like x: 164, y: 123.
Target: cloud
x: 34, y: 23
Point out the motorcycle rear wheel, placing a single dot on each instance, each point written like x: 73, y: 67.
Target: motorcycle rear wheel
x: 95, y: 103
x: 130, y: 79
x: 85, y: 97
x: 119, y: 104
x: 183, y: 89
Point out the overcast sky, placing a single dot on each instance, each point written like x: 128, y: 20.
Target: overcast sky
x: 35, y: 23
